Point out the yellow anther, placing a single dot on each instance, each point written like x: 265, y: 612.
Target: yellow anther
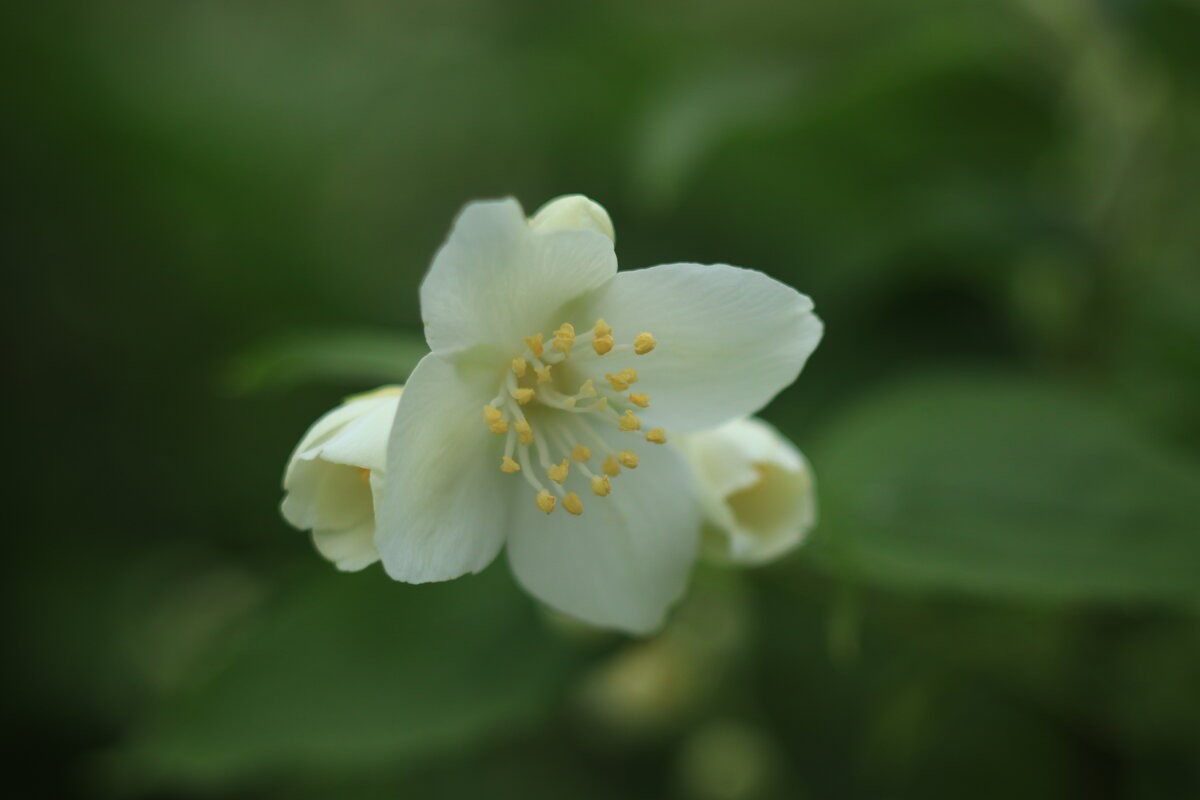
x: 518, y: 366
x: 611, y: 467
x: 364, y: 474
x: 535, y: 345
x: 643, y: 344
x: 602, y: 344
x: 581, y: 453
x: 628, y: 458
x: 492, y: 414
x: 558, y: 472
x: 570, y: 402
x: 602, y: 404
x: 509, y: 466
x: 629, y: 422
x: 565, y: 331
x: 524, y: 432
x: 588, y: 389
x: 657, y: 435
x: 545, y: 501
x: 639, y: 399
x: 601, y: 485
x: 499, y: 426
x: 617, y: 383
x: 602, y: 328
x: 523, y: 396
x: 572, y: 503
x: 543, y: 374
x: 628, y: 375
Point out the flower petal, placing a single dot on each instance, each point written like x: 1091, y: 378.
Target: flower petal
x: 350, y: 549
x: 729, y: 339
x: 625, y: 560
x: 496, y: 281
x: 443, y: 507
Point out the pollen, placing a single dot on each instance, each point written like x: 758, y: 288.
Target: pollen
x: 629, y: 422
x: 564, y: 338
x: 639, y: 399
x: 657, y: 436
x: 545, y: 501
x: 643, y: 344
x: 543, y: 374
x: 509, y: 466
x: 628, y: 375
x: 523, y: 396
x: 524, y: 432
x: 572, y: 503
x: 611, y: 468
x: 581, y: 453
x: 535, y: 345
x: 601, y: 485
x: 518, y: 366
x: 602, y: 328
x: 628, y: 458
x: 617, y: 382
x: 494, y: 420
x: 558, y: 472
x: 602, y: 344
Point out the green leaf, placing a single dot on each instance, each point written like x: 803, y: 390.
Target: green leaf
x: 352, y: 671
x: 1001, y: 486
x: 373, y: 357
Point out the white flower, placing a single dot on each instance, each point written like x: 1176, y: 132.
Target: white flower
x: 756, y: 490
x: 537, y: 419
x: 335, y: 476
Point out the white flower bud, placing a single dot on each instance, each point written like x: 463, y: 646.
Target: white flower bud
x: 756, y: 490
x: 335, y: 474
x: 571, y: 212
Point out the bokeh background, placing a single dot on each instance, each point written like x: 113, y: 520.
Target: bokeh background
x: 222, y: 214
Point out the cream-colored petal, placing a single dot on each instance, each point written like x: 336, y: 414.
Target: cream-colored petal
x: 571, y: 212
x: 350, y: 549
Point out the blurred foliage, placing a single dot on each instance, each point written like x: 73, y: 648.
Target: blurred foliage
x: 993, y: 204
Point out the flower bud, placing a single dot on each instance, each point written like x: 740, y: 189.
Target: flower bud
x: 572, y: 212
x: 336, y: 472
x: 756, y: 490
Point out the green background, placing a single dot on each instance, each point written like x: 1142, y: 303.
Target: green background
x: 222, y: 212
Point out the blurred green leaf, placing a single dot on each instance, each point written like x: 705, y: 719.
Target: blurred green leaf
x: 372, y: 357
x: 345, y: 672
x: 1002, y: 486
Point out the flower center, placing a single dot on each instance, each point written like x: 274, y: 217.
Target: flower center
x: 542, y: 410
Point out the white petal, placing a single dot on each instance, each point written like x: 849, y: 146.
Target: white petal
x: 495, y: 281
x: 444, y: 506
x: 572, y: 211
x: 350, y: 549
x: 322, y: 494
x: 729, y: 339
x: 626, y: 559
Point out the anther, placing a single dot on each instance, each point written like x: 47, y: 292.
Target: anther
x: 524, y: 432
x: 543, y: 374
x: 572, y: 503
x: 628, y: 458
x: 545, y: 501
x: 602, y: 328
x: 588, y: 389
x: 628, y: 375
x: 643, y: 344
x: 535, y: 345
x: 639, y: 399
x: 657, y: 435
x: 518, y: 366
x: 617, y: 382
x: 629, y: 422
x: 602, y: 344
x: 558, y: 472
x: 509, y: 466
x: 494, y: 420
x: 611, y: 468
x: 523, y: 396
x: 601, y: 485
x: 581, y: 453
x: 564, y: 337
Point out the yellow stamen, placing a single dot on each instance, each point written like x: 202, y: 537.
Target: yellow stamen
x: 572, y: 503
x: 588, y: 389
x: 643, y: 344
x: 492, y: 414
x: 523, y: 396
x: 602, y: 344
x: 601, y: 485
x: 569, y: 402
x: 617, y: 383
x: 564, y: 337
x: 364, y: 474
x: 509, y: 466
x: 628, y: 375
x: 611, y: 467
x: 601, y: 404
x: 657, y: 435
x: 518, y: 366
x: 524, y: 432
x: 558, y: 473
x: 628, y: 458
x: 545, y: 501
x: 581, y: 453
x: 602, y: 328
x: 543, y: 374
x: 499, y: 426
x: 629, y: 422
x: 535, y: 345
x: 639, y: 399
